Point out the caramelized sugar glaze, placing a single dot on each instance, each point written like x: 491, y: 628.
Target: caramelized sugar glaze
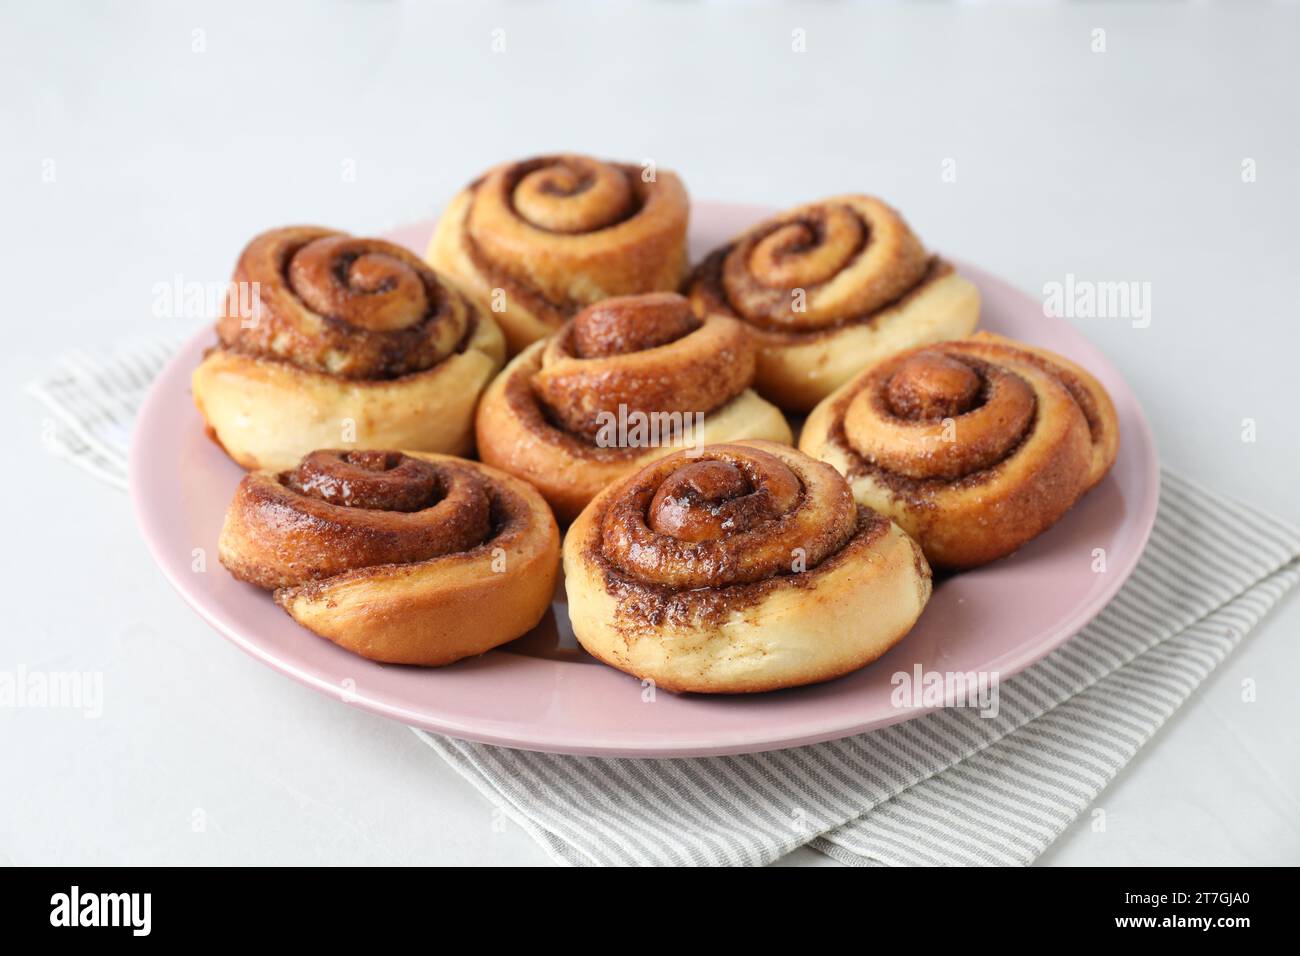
x: 627, y: 380
x: 343, y: 305
x: 827, y: 287
x: 974, y: 446
x: 746, y: 566
x: 539, y: 239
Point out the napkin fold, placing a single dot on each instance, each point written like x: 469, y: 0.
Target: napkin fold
x: 948, y: 788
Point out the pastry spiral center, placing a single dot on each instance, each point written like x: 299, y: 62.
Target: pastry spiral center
x: 350, y: 280
x: 815, y: 267
x: 934, y: 414
x: 626, y: 324
x: 573, y: 194
x: 739, y: 515
x: 343, y: 306
x: 646, y: 355
x: 341, y: 511
x: 390, y: 507
x: 375, y: 480
x: 931, y: 385
x: 707, y: 500
x: 809, y: 250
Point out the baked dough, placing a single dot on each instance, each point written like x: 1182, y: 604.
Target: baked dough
x: 828, y: 288
x: 536, y: 240
x: 973, y: 446
x: 351, y: 342
x: 553, y: 416
x: 400, y: 557
x: 746, y: 568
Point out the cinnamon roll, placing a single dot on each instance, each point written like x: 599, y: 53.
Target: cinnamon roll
x: 535, y: 241
x: 328, y: 339
x: 404, y: 558
x: 626, y: 381
x: 973, y: 446
x: 746, y: 568
x: 829, y: 287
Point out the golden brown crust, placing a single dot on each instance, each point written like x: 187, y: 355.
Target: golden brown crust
x: 329, y: 302
x: 1091, y: 397
x: 745, y: 568
x: 735, y: 515
x: 974, y: 446
x: 537, y: 240
x: 650, y: 354
x: 386, y: 553
x: 552, y: 416
x: 347, y: 340
x: 826, y: 288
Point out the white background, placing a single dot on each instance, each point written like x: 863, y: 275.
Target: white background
x: 1122, y: 165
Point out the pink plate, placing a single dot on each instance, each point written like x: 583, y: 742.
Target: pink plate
x: 543, y: 693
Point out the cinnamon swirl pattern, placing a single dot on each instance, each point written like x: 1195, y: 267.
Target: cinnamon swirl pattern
x: 628, y: 380
x: 348, y: 341
x: 829, y: 287
x: 746, y: 568
x: 535, y: 241
x: 973, y: 446
x: 404, y: 558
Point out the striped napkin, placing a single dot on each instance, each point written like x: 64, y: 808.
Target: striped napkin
x: 945, y: 789
x: 93, y: 400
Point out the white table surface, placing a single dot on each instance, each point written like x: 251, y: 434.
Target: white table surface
x: 1121, y: 165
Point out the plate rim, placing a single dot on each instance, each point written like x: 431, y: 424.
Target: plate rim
x: 599, y: 745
